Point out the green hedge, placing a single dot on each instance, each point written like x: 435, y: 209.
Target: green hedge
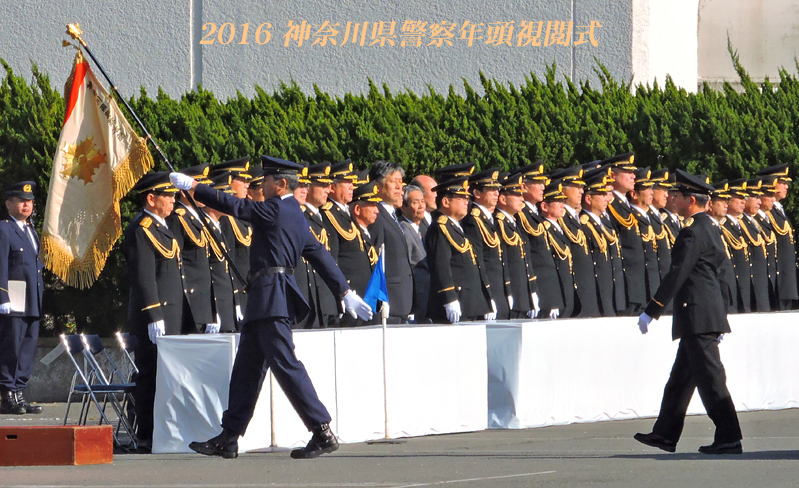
x: 727, y: 134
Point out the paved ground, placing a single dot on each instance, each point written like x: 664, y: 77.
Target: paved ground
x: 562, y: 456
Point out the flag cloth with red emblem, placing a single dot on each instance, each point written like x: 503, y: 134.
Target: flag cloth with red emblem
x: 98, y: 159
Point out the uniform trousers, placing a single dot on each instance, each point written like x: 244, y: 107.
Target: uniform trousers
x: 267, y: 343
x: 18, y: 338
x: 698, y: 366
x: 144, y: 392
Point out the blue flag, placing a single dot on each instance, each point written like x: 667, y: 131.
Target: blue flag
x: 377, y: 290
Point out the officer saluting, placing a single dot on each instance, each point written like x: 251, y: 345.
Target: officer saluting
x: 156, y: 288
x: 19, y: 322
x: 280, y: 237
x: 697, y: 284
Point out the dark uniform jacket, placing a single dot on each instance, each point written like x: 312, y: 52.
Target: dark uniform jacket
x: 353, y: 256
x: 616, y: 262
x: 560, y: 247
x: 324, y: 305
x: 649, y: 242
x: 534, y: 232
x: 483, y: 235
x: 672, y: 226
x: 587, y: 303
x: 188, y: 231
x: 739, y: 253
x: 240, y: 235
x: 399, y: 274
x: 771, y: 256
x: 786, y: 255
x: 663, y: 241
x: 695, y: 281
x: 222, y: 285
x: 599, y: 245
x: 521, y: 275
x: 280, y: 237
x: 21, y: 263
x: 632, y: 250
x: 454, y: 273
x: 154, y: 270
x: 758, y: 260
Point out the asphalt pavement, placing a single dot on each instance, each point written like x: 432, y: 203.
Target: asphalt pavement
x: 591, y: 454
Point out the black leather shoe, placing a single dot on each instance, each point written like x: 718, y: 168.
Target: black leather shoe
x: 225, y: 445
x: 723, y: 448
x: 9, y: 405
x: 35, y: 409
x: 323, y: 441
x: 655, y: 440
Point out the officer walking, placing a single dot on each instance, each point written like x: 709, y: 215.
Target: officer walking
x: 280, y: 237
x: 697, y: 285
x: 20, y: 298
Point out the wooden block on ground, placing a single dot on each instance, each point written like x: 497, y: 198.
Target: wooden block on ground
x: 56, y: 445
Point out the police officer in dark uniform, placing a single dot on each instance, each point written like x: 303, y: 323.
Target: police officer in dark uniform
x: 324, y: 305
x: 586, y: 298
x: 521, y: 275
x: 357, y: 263
x: 481, y: 229
x: 768, y: 187
x: 531, y: 225
x: 21, y: 290
x: 663, y: 239
x: 280, y: 237
x: 597, y: 236
x: 787, y: 291
x: 458, y: 286
x: 157, y: 291
x: 255, y: 191
x: 238, y: 233
x: 625, y: 223
x: 699, y: 290
x: 719, y: 199
x: 640, y: 199
x: 756, y: 241
x: 187, y: 227
x: 737, y: 245
x: 552, y: 209
x: 226, y: 305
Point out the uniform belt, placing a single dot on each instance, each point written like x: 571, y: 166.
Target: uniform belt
x: 280, y: 270
x: 253, y: 277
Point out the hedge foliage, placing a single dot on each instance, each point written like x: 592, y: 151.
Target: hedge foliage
x: 727, y: 134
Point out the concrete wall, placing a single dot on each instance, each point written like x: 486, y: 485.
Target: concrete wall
x: 154, y: 44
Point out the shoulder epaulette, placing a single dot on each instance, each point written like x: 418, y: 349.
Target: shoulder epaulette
x: 303, y: 207
x: 180, y: 211
x: 500, y: 216
x: 688, y: 221
x: 146, y: 222
x: 723, y: 219
x: 327, y: 206
x: 584, y: 219
x: 664, y: 215
x: 442, y: 219
x: 547, y: 224
x: 476, y: 212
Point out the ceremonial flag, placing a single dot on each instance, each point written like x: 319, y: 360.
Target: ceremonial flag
x: 376, y: 289
x: 98, y: 159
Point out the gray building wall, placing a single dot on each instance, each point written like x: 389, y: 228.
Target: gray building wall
x: 154, y: 44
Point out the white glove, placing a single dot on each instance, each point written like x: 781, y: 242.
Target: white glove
x: 239, y: 315
x: 453, y: 310
x: 721, y: 338
x: 342, y: 309
x: 5, y: 308
x: 356, y: 306
x: 493, y: 314
x: 555, y: 313
x: 181, y: 181
x: 531, y: 314
x: 213, y: 328
x: 155, y: 329
x: 510, y: 302
x: 536, y: 305
x: 643, y: 322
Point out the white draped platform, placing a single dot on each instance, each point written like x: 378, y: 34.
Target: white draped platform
x: 445, y: 379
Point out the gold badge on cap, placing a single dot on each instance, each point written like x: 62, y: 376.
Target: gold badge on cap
x: 632, y: 159
x: 305, y: 171
x: 26, y: 188
x: 495, y: 175
x: 327, y: 170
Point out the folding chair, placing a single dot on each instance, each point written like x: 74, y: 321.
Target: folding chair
x: 128, y: 343
x: 90, y: 382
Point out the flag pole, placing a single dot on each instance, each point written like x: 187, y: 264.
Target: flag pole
x: 384, y: 315
x: 74, y: 31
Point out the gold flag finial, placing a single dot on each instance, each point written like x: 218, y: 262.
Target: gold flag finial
x: 73, y: 30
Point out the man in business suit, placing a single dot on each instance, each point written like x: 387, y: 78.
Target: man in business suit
x: 696, y: 283
x: 459, y: 285
x: 626, y: 225
x: 157, y: 290
x: 19, y: 322
x: 787, y: 291
x: 387, y: 231
x: 412, y: 220
x: 280, y: 237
